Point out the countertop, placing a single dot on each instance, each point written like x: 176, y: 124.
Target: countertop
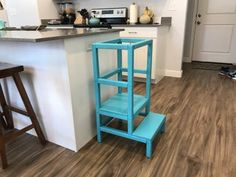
x: 50, y: 34
x: 140, y: 25
x: 113, y: 25
x: 165, y: 21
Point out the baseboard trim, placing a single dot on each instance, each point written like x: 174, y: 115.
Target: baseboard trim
x: 173, y: 73
x: 187, y: 60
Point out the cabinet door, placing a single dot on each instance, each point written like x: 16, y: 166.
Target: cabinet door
x: 140, y: 32
x: 140, y: 59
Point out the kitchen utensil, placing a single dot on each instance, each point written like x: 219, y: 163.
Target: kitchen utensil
x: 66, y: 12
x: 69, y: 8
x: 84, y: 13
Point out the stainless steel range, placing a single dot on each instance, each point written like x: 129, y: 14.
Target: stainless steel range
x: 107, y: 16
x: 117, y: 15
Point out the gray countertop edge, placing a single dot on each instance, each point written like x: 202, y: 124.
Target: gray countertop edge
x: 44, y: 39
x: 77, y: 35
x: 141, y: 25
x: 122, y: 25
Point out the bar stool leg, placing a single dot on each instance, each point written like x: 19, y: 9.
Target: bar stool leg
x: 3, y: 150
x: 29, y: 107
x: 2, y: 121
x: 6, y: 112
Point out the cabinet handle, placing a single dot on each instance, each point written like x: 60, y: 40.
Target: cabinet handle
x: 132, y: 32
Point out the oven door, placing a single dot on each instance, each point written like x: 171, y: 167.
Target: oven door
x: 113, y: 20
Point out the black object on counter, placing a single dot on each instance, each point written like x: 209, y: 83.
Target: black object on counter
x: 84, y: 13
x: 68, y: 18
x: 25, y: 28
x: 108, y: 26
x: 33, y: 28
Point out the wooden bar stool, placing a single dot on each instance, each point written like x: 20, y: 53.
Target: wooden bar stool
x: 6, y: 120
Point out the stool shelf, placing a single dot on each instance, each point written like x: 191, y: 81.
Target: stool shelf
x: 117, y: 106
x: 126, y: 105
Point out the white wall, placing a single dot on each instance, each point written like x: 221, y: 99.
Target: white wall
x: 23, y: 12
x: 30, y: 12
x: 47, y: 9
x: 177, y: 9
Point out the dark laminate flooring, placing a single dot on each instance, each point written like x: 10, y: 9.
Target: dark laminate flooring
x: 200, y: 140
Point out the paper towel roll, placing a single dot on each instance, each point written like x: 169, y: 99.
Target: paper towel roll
x: 133, y: 13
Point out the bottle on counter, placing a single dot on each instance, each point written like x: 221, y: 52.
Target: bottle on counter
x: 133, y: 13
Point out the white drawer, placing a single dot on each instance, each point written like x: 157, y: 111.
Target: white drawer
x: 139, y: 32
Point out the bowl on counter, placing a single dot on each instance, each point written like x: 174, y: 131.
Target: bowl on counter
x: 2, y: 24
x: 94, y: 21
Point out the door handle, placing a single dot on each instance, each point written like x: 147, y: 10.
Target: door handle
x: 198, y: 23
x: 199, y: 15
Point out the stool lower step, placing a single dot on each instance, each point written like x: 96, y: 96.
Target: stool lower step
x: 152, y: 124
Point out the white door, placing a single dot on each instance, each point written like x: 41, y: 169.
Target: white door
x: 215, y: 37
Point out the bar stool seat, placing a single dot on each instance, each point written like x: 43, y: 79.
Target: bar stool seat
x: 6, y: 119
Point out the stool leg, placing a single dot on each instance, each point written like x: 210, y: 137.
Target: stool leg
x: 29, y: 107
x: 3, y: 150
x: 6, y: 112
x: 148, y: 149
x: 2, y: 121
x: 163, y: 128
x: 99, y: 133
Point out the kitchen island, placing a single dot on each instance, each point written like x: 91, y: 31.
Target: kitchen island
x: 59, y: 79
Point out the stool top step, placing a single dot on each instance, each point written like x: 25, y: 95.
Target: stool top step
x: 7, y: 69
x: 123, y: 43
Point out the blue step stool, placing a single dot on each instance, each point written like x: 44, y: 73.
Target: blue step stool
x: 126, y: 105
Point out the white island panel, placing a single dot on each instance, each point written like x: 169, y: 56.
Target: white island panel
x: 59, y: 81
x: 79, y: 57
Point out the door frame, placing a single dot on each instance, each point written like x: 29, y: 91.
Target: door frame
x: 193, y: 32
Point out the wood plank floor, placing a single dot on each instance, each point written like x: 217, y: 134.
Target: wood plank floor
x: 200, y: 140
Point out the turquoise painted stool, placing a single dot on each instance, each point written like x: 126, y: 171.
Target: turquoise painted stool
x: 126, y: 105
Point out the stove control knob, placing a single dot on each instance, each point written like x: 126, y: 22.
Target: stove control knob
x: 118, y: 12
